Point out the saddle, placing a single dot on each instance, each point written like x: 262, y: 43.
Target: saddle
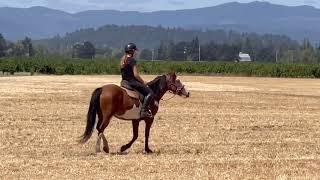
x: 130, y: 91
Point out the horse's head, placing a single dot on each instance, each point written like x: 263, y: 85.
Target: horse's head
x: 175, y: 85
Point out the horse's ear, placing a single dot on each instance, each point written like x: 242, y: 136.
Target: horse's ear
x: 174, y: 76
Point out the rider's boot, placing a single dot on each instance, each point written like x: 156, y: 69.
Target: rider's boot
x: 145, y: 112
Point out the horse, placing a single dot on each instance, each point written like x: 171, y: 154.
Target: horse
x: 118, y: 101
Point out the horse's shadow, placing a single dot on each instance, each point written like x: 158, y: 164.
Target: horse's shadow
x: 155, y: 153
x: 110, y: 154
x: 118, y: 153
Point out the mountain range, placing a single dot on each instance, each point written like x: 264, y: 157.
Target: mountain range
x: 297, y: 22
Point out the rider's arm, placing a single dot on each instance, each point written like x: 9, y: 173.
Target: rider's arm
x: 136, y: 74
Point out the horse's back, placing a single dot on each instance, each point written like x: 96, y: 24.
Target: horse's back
x: 111, y: 88
x: 116, y: 98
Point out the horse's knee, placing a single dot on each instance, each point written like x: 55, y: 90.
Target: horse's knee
x: 135, y: 137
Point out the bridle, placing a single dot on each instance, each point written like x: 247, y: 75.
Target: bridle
x: 177, y: 91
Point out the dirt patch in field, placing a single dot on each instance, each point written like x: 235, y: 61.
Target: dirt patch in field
x: 230, y: 127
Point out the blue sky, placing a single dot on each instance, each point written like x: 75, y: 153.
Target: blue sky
x: 136, y: 5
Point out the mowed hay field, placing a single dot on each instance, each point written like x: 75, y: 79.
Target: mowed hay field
x: 230, y: 127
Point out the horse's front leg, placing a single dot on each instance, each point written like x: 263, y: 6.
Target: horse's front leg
x: 135, y: 129
x: 147, y: 132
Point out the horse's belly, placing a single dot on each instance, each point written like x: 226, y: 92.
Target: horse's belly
x: 130, y: 114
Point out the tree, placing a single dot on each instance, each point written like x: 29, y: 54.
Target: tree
x: 181, y: 51
x: 41, y: 51
x: 85, y: 50
x: 3, y: 46
x: 104, y: 51
x: 146, y: 54
x: 194, y: 49
x: 28, y: 48
x: 89, y: 50
x: 161, y: 51
x: 308, y: 56
x: 19, y: 49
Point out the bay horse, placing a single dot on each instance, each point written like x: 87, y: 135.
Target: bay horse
x: 115, y: 101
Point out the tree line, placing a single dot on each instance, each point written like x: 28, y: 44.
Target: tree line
x: 160, y: 43
x: 213, y: 51
x: 20, y: 48
x: 181, y: 44
x: 62, y: 65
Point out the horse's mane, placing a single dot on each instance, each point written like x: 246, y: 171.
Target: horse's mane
x: 157, y: 84
x: 155, y: 81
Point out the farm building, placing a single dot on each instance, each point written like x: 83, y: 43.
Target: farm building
x: 244, y: 57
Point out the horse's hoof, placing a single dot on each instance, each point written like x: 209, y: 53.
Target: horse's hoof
x: 123, y: 148
x: 148, y: 151
x: 106, y: 149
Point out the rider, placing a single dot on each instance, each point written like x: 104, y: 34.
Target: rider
x: 130, y: 73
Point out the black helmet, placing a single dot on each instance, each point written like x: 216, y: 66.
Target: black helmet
x: 130, y: 48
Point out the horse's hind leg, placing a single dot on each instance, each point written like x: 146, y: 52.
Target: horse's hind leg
x: 101, y: 126
x: 135, y: 128
x: 100, y: 120
x: 98, y: 143
x: 105, y: 144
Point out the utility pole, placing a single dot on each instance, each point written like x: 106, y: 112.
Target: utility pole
x: 276, y: 56
x: 199, y: 52
x: 152, y: 54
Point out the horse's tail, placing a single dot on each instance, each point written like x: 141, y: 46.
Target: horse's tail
x: 91, y: 116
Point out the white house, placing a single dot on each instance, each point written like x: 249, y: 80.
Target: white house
x: 244, y: 57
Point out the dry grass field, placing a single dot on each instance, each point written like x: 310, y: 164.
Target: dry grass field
x: 230, y: 128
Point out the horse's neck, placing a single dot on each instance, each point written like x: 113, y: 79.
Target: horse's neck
x: 159, y: 93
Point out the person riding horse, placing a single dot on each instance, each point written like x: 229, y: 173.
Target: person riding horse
x: 112, y: 100
x: 130, y: 74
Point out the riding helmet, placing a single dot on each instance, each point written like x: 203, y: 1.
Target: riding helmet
x: 130, y: 47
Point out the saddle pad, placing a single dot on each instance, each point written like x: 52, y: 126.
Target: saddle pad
x: 131, y: 93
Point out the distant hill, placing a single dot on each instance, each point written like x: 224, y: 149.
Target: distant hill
x: 148, y: 37
x: 260, y: 17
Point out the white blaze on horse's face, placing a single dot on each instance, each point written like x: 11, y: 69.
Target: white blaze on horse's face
x: 180, y: 89
x: 184, y: 92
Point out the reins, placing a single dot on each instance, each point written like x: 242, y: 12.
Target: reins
x: 174, y: 94
x: 168, y: 98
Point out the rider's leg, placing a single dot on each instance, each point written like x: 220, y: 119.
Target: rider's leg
x: 148, y: 97
x: 145, y: 112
